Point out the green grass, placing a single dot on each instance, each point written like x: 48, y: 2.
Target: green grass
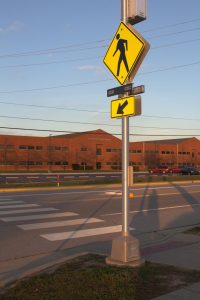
x: 62, y: 184
x: 143, y: 179
x: 89, y: 278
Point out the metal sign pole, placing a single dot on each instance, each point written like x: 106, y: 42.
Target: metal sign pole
x: 125, y: 163
x: 125, y: 150
x: 125, y: 248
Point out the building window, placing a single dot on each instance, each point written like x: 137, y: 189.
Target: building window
x: 83, y: 149
x: 135, y: 151
x: 132, y: 151
x: 98, y: 151
x: 22, y: 147
x: 112, y: 150
x: 57, y: 148
x: 65, y: 163
x: 39, y: 148
x: 30, y: 147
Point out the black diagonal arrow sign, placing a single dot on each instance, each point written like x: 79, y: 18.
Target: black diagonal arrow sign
x: 120, y: 110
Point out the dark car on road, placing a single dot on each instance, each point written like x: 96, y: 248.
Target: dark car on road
x: 189, y: 171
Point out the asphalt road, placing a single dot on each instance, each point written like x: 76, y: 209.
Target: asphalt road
x: 36, y: 222
x: 60, y: 177
x: 56, y: 177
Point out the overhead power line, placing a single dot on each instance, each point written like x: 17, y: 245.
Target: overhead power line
x: 172, y: 25
x: 89, y: 58
x: 96, y: 81
x: 93, y: 132
x: 92, y: 111
x: 73, y: 46
x: 96, y: 124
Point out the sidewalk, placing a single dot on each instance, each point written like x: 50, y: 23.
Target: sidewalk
x: 170, y: 247
x: 179, y: 250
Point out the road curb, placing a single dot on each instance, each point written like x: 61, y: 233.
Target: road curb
x: 6, y: 190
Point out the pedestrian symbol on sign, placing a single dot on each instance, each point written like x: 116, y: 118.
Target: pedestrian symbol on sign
x: 122, y: 47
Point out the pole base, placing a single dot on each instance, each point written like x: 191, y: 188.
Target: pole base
x: 125, y: 252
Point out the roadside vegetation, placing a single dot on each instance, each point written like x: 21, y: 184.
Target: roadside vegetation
x: 88, y: 278
x: 136, y: 180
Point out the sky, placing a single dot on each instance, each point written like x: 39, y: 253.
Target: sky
x: 53, y: 79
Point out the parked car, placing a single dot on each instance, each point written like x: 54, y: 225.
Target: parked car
x: 187, y: 170
x: 175, y: 170
x: 159, y: 170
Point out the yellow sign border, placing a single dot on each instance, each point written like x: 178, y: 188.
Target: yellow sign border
x: 132, y: 98
x: 143, y: 42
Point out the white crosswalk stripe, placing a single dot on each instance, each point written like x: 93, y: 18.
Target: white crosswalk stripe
x: 23, y: 211
x: 59, y: 223
x: 81, y: 233
x: 18, y: 206
x: 10, y: 202
x: 37, y: 217
x: 5, y: 199
x: 26, y: 212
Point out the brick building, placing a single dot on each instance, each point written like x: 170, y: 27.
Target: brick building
x: 92, y: 150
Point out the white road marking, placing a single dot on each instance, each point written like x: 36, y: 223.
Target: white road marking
x: 114, y: 193
x: 37, y: 217
x: 82, y: 233
x: 165, y: 187
x: 59, y: 223
x: 22, y: 211
x: 103, y: 192
x: 153, y: 209
x: 10, y: 202
x: 18, y: 206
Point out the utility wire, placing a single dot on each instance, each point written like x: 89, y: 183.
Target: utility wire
x: 93, y: 111
x: 172, y: 25
x: 92, y: 132
x: 90, y: 58
x: 96, y: 124
x: 53, y: 107
x: 96, y: 81
x: 65, y: 48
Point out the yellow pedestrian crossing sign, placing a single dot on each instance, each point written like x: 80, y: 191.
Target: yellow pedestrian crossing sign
x: 125, y: 53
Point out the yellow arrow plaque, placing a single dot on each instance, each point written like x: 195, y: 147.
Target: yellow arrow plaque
x: 127, y: 106
x: 125, y: 53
